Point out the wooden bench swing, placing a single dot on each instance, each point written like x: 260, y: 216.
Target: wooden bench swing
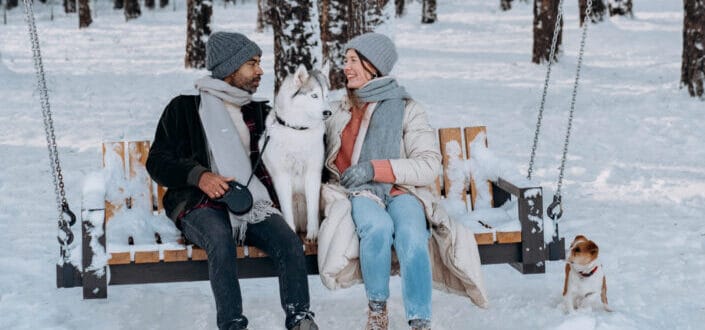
x: 525, y: 249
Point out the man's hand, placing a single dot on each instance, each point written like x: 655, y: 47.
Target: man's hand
x: 357, y: 174
x: 213, y: 184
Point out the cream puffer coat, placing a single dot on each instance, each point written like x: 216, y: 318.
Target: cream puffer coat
x: 455, y: 259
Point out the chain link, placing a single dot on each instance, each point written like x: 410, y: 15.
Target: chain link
x: 65, y: 237
x: 551, y: 57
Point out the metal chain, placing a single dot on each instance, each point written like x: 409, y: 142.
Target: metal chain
x: 588, y: 12
x: 554, y: 42
x: 557, y: 196
x: 65, y: 236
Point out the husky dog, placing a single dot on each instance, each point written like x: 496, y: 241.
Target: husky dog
x: 294, y: 154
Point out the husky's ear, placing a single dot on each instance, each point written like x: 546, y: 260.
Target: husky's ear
x: 300, y: 76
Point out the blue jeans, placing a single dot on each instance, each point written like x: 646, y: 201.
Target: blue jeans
x: 403, y: 224
x: 210, y: 229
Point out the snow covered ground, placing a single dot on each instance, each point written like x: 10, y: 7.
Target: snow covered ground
x: 635, y: 181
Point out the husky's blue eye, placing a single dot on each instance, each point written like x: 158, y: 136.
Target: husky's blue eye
x: 314, y: 95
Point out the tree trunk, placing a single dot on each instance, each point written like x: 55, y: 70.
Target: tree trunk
x: 545, y: 14
x: 505, y: 4
x: 132, y: 9
x: 399, y: 7
x: 598, y: 11
x: 263, y: 18
x: 118, y: 4
x: 428, y: 15
x: 69, y: 6
x: 341, y: 20
x: 620, y: 7
x: 335, y: 32
x: 163, y: 3
x: 693, y: 66
x: 198, y: 26
x: 9, y: 4
x: 149, y: 4
x: 295, y: 25
x: 84, y: 14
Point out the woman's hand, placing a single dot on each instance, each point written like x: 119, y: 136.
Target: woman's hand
x: 357, y: 174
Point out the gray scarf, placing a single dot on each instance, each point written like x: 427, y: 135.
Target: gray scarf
x: 229, y: 157
x: 384, y: 133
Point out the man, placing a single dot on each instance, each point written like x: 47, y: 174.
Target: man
x: 201, y: 143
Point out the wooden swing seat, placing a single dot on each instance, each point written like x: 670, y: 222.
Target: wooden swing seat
x: 524, y: 249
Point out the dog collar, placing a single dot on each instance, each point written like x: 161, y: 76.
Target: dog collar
x: 282, y: 122
x: 590, y: 273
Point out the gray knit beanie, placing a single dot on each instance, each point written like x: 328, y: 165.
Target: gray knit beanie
x: 377, y: 48
x: 228, y: 51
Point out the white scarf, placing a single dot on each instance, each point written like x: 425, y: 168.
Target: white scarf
x: 229, y: 157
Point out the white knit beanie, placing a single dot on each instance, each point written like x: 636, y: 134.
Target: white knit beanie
x: 377, y: 48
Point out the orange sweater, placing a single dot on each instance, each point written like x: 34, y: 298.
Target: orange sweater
x: 382, y: 168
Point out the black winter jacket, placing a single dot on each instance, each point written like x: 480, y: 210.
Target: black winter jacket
x: 179, y: 152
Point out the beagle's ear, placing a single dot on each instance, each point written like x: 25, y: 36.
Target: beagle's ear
x: 579, y: 238
x: 300, y: 76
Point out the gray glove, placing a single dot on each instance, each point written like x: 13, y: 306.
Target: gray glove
x: 357, y: 174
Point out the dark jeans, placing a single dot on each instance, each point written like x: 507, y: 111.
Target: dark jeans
x: 210, y: 229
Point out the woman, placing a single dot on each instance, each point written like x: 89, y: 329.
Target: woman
x: 382, y: 150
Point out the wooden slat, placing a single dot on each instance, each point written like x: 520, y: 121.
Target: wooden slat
x: 484, y: 238
x: 241, y: 252
x: 138, y: 151
x: 117, y: 148
x: 471, y: 133
x: 198, y: 254
x: 160, y: 198
x: 446, y: 135
x: 175, y: 255
x: 256, y: 253
x: 119, y: 258
x: 144, y: 257
x: 508, y: 237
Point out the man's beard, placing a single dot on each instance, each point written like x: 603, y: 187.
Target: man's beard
x: 251, y: 85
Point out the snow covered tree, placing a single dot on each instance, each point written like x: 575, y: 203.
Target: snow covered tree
x: 9, y: 4
x: 693, y: 65
x: 132, y: 9
x: 341, y: 20
x: 545, y: 15
x: 118, y: 4
x: 335, y: 26
x: 198, y: 28
x: 149, y: 4
x: 428, y: 13
x: 69, y: 6
x: 84, y: 14
x: 505, y: 4
x: 263, y: 18
x: 620, y: 7
x: 399, y: 7
x: 296, y: 36
x: 598, y: 11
